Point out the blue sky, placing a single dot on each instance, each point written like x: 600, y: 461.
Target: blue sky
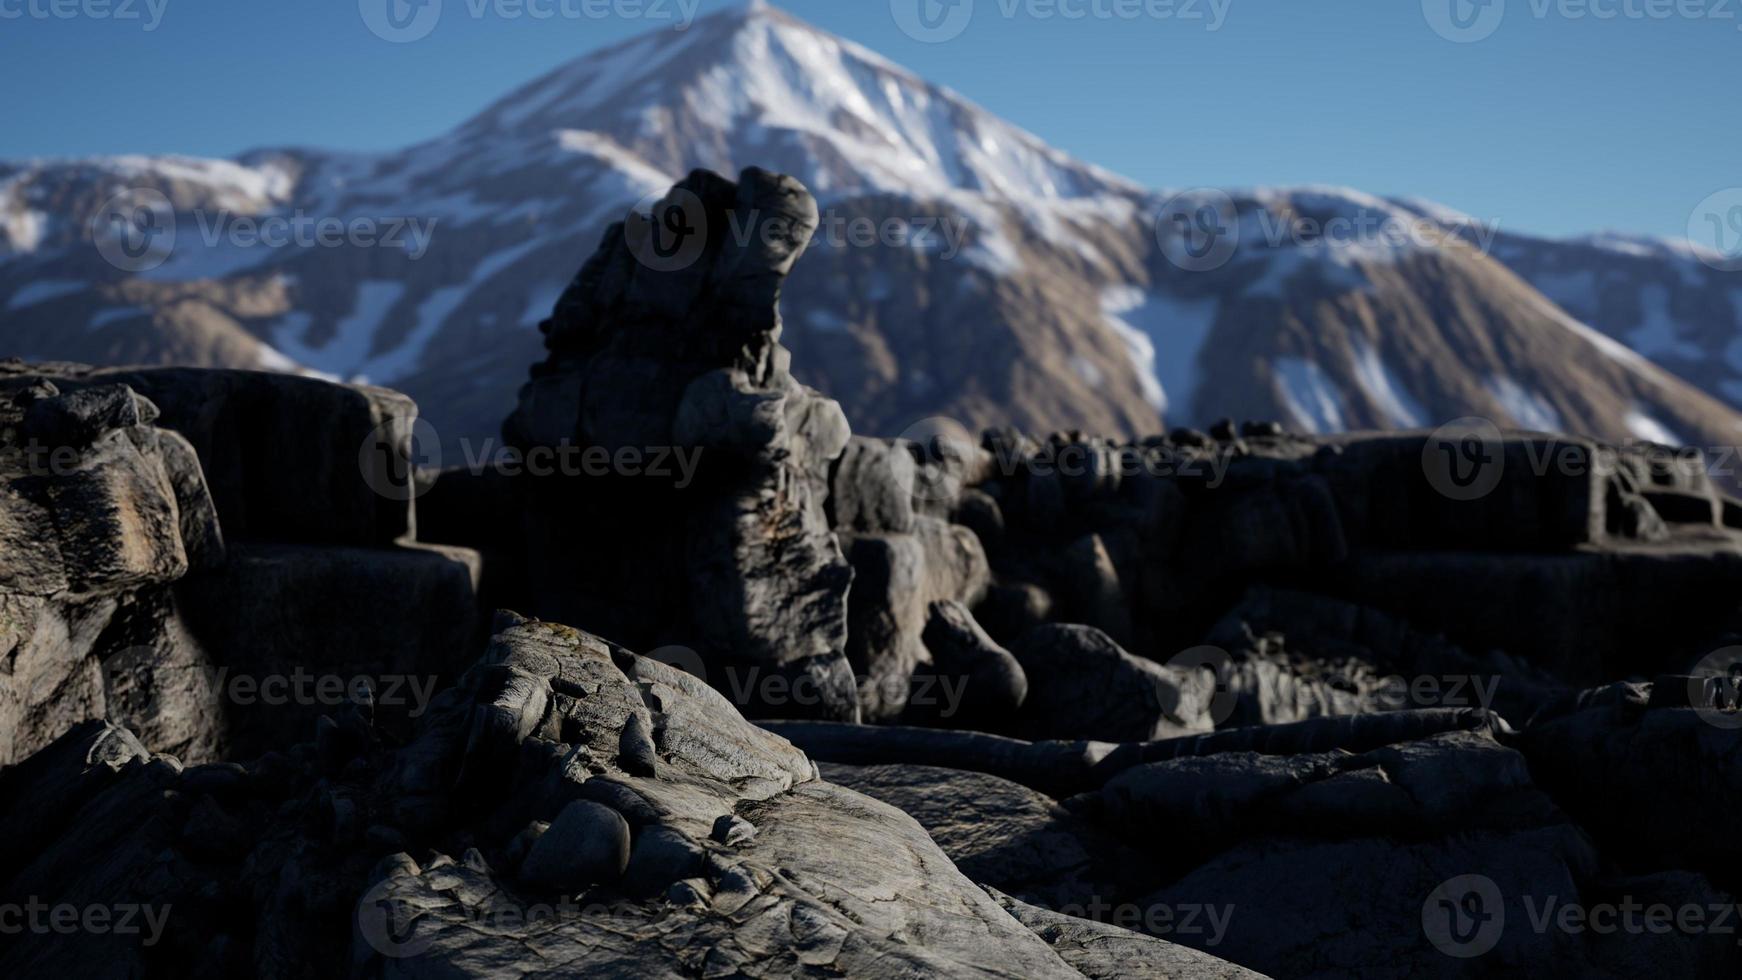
x: 1559, y: 121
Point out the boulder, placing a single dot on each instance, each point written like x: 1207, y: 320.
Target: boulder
x: 293, y: 632
x: 100, y: 514
x: 270, y: 444
x: 972, y: 682
x: 587, y: 844
x: 731, y: 857
x: 1082, y: 685
x: 871, y: 489
x: 1005, y: 835
x: 680, y: 355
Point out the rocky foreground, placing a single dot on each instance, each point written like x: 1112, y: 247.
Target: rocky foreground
x: 778, y: 700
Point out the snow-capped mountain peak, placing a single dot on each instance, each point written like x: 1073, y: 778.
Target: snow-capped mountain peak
x: 1026, y: 286
x: 757, y: 85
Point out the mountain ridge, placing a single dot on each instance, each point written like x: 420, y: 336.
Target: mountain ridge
x: 1064, y: 308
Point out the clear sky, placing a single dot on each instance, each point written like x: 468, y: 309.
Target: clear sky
x: 1558, y: 120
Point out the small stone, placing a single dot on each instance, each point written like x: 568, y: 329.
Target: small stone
x: 662, y: 855
x: 635, y: 749
x: 588, y: 844
x: 732, y: 830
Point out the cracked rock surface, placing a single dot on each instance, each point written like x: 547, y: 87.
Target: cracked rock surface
x: 518, y: 833
x: 1212, y: 704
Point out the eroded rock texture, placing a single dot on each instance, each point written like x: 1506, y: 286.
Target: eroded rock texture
x: 569, y: 807
x: 677, y: 357
x: 193, y: 564
x: 100, y: 512
x: 1225, y: 704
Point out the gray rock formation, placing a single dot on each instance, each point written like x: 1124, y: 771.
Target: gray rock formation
x: 216, y: 565
x: 721, y: 852
x: 1084, y: 686
x: 1006, y: 836
x: 681, y: 354
x: 100, y: 512
x: 1424, y: 705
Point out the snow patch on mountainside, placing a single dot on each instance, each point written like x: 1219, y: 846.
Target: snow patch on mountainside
x: 1309, y: 394
x: 271, y: 360
x: 117, y: 314
x: 1164, y: 336
x: 25, y: 229
x: 44, y: 290
x: 1394, y: 401
x: 1527, y: 409
x: 434, y: 311
x: 346, y: 352
x: 227, y: 184
x: 1649, y: 429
